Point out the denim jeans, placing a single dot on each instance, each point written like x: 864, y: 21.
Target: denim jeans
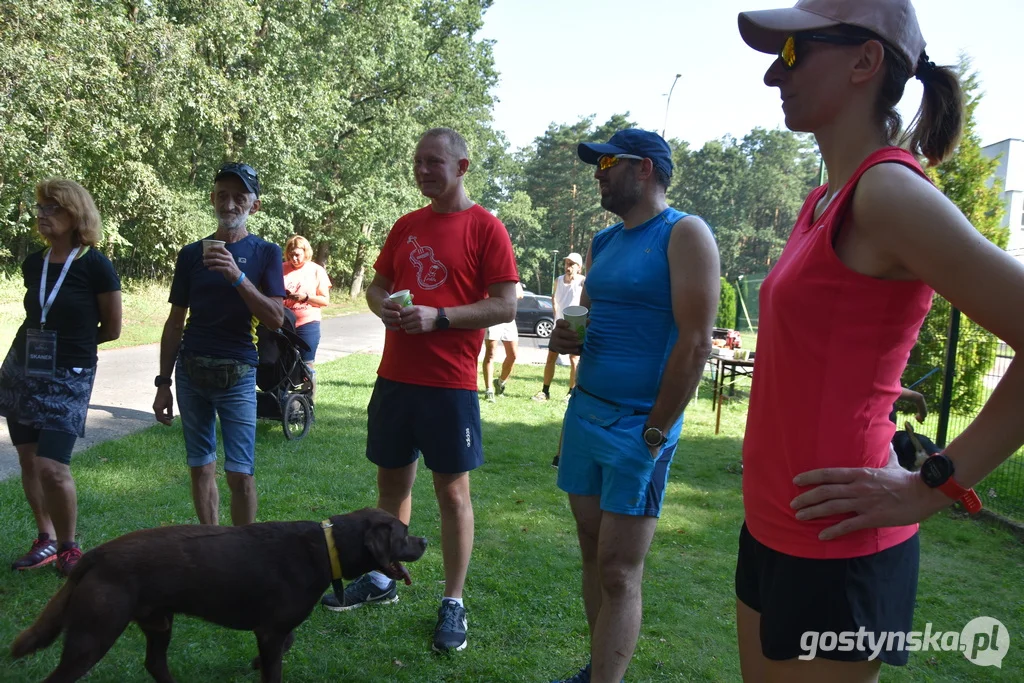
x: 236, y: 408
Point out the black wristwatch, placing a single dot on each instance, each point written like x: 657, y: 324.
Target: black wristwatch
x: 442, y: 322
x: 161, y: 381
x: 654, y: 437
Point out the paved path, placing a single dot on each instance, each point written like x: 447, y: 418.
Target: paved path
x: 122, y: 398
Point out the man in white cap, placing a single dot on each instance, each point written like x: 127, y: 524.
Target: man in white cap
x: 568, y: 289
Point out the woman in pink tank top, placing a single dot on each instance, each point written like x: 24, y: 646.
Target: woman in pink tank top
x: 830, y: 542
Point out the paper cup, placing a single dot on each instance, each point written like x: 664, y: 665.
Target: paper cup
x: 576, y: 316
x: 402, y: 297
x: 207, y: 244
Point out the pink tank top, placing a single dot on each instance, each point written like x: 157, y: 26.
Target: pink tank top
x: 831, y: 347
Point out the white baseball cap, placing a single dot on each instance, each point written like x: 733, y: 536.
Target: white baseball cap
x: 575, y: 258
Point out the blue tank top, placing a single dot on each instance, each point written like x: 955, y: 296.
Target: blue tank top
x: 632, y: 329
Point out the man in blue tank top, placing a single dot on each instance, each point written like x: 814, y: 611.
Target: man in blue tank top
x: 652, y: 291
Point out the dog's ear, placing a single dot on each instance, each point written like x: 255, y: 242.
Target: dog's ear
x: 378, y: 542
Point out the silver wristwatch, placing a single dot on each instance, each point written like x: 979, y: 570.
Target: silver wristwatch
x: 654, y: 437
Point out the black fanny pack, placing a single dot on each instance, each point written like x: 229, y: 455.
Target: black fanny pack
x: 214, y: 373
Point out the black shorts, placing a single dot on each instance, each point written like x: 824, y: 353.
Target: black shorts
x: 404, y: 420
x: 796, y: 595
x: 50, y: 444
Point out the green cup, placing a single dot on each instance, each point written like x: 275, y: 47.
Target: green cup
x: 576, y: 316
x: 402, y: 297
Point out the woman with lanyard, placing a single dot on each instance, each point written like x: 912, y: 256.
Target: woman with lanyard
x: 72, y: 304
x: 830, y: 541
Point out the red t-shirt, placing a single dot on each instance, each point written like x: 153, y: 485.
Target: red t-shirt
x: 831, y: 347
x: 444, y: 260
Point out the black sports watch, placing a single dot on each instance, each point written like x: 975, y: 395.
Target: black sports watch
x: 937, y: 470
x: 161, y: 381
x: 442, y: 322
x: 654, y: 437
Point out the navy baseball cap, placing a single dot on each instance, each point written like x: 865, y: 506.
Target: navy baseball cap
x: 244, y: 172
x: 641, y: 143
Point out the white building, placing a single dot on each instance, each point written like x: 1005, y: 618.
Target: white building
x: 1009, y: 178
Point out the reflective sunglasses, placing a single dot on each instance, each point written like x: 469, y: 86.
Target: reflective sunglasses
x: 792, y: 50
x: 608, y: 160
x: 48, y: 209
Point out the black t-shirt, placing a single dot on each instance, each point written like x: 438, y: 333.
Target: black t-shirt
x: 75, y: 314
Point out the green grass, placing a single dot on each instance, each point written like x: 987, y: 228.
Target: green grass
x: 145, y: 309
x: 525, y: 614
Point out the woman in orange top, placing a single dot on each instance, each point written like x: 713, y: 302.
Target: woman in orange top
x: 308, y: 289
x: 828, y: 556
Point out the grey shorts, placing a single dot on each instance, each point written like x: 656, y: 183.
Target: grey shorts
x: 59, y: 404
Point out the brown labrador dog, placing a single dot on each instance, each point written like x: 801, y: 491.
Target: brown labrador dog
x: 265, y: 578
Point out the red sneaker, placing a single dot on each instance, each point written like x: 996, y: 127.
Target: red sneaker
x: 43, y: 552
x: 67, y: 559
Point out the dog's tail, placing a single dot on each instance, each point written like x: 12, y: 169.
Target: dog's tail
x: 47, y: 627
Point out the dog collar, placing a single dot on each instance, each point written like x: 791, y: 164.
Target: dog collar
x: 332, y: 550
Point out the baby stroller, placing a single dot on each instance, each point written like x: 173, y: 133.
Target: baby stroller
x: 284, y: 382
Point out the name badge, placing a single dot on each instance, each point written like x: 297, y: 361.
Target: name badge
x: 40, y: 353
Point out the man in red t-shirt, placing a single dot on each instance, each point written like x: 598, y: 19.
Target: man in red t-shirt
x: 456, y: 260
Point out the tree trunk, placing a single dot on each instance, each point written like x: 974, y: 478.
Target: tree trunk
x: 323, y: 250
x: 358, y: 271
x: 359, y: 264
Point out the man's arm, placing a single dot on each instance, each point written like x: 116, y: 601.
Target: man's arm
x: 918, y: 400
x: 170, y: 341
x: 498, y: 307
x: 383, y: 307
x: 693, y: 273
x: 554, y: 300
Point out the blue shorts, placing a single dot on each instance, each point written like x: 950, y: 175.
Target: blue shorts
x: 604, y: 454
x: 236, y: 408
x: 404, y: 420
x: 309, y: 333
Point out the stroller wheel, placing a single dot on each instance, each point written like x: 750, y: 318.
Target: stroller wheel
x: 297, y: 416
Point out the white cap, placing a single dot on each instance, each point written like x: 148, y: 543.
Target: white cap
x: 575, y: 258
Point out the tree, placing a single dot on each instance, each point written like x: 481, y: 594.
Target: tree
x: 965, y: 179
x: 142, y: 101
x: 526, y: 225
x: 749, y: 191
x: 563, y: 186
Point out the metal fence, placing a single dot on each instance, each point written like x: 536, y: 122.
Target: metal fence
x: 1003, y: 490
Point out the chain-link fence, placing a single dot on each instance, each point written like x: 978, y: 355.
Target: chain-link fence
x: 1003, y: 490
x: 748, y: 294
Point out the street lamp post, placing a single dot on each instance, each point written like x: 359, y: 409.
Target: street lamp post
x: 739, y: 295
x: 554, y: 269
x: 665, y: 126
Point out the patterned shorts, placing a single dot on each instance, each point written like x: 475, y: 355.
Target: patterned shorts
x: 59, y: 404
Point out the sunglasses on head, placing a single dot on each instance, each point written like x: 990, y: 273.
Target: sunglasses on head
x: 790, y: 54
x: 608, y: 160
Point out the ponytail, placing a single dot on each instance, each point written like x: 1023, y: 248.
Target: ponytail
x: 936, y: 129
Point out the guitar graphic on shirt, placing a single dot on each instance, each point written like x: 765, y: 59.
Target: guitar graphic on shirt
x: 430, y: 273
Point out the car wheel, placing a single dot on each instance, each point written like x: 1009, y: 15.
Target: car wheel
x: 543, y: 328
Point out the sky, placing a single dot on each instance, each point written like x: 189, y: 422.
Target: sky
x: 561, y: 60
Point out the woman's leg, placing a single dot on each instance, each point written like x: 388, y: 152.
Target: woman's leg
x: 33, y: 487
